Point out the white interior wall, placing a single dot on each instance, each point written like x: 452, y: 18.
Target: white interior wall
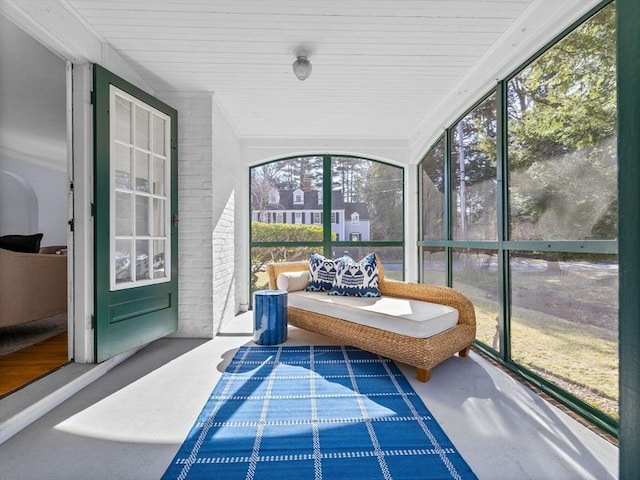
x: 50, y: 189
x: 33, y: 150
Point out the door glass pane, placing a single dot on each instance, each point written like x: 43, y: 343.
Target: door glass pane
x: 159, y: 137
x: 158, y: 217
x: 142, y: 128
x: 122, y: 261
x: 474, y: 182
x: 158, y: 176
x: 142, y: 259
x: 564, y: 322
x: 123, y: 120
x: 123, y: 166
x: 142, y: 215
x: 158, y: 259
x: 142, y: 172
x: 433, y: 212
x: 140, y: 197
x: 124, y: 219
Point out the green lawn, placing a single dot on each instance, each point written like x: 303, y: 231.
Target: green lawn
x: 582, y: 359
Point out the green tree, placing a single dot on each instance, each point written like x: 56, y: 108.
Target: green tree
x: 433, y: 219
x: 562, y: 127
x: 474, y: 166
x: 348, y: 174
x: 384, y: 199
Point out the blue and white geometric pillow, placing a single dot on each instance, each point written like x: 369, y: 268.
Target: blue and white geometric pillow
x: 322, y: 273
x: 356, y: 279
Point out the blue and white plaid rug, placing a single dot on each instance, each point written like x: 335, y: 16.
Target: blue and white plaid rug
x: 315, y: 412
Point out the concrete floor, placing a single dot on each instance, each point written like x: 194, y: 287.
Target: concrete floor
x: 129, y: 423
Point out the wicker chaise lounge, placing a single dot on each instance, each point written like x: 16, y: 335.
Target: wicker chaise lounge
x: 422, y: 353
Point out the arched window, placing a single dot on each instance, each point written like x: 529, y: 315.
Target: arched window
x: 332, y: 205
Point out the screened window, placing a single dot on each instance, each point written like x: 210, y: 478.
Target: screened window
x: 562, y: 139
x: 473, y: 160
x: 562, y: 191
x: 339, y: 205
x: 433, y: 214
x: 531, y: 240
x: 375, y: 192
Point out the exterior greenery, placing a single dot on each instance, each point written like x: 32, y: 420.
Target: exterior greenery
x: 519, y: 211
x: 377, y: 186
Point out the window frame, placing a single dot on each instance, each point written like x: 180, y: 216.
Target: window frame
x: 327, y: 215
x: 136, y: 194
x: 503, y: 245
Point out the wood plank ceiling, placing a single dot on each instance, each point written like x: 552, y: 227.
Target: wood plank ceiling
x: 380, y: 67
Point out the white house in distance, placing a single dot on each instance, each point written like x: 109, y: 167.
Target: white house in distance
x: 350, y: 221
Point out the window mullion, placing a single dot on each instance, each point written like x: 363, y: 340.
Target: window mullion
x: 326, y: 205
x: 447, y: 205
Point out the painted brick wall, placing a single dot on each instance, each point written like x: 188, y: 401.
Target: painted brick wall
x: 209, y: 182
x: 195, y: 205
x: 228, y: 187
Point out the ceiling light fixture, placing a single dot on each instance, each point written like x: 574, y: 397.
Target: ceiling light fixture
x: 302, y: 67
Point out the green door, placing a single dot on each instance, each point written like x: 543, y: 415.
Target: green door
x: 136, y: 205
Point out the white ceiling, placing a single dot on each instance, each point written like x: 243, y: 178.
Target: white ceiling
x: 382, y: 69
x: 379, y: 66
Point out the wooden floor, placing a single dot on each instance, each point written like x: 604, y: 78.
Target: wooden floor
x: 24, y: 366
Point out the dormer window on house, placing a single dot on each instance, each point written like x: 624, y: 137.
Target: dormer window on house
x: 319, y: 198
x: 274, y: 197
x: 355, y: 219
x: 298, y: 197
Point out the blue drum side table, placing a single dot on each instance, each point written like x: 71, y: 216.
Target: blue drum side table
x: 269, y: 317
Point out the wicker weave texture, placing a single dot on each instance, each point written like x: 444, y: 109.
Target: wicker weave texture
x: 424, y: 353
